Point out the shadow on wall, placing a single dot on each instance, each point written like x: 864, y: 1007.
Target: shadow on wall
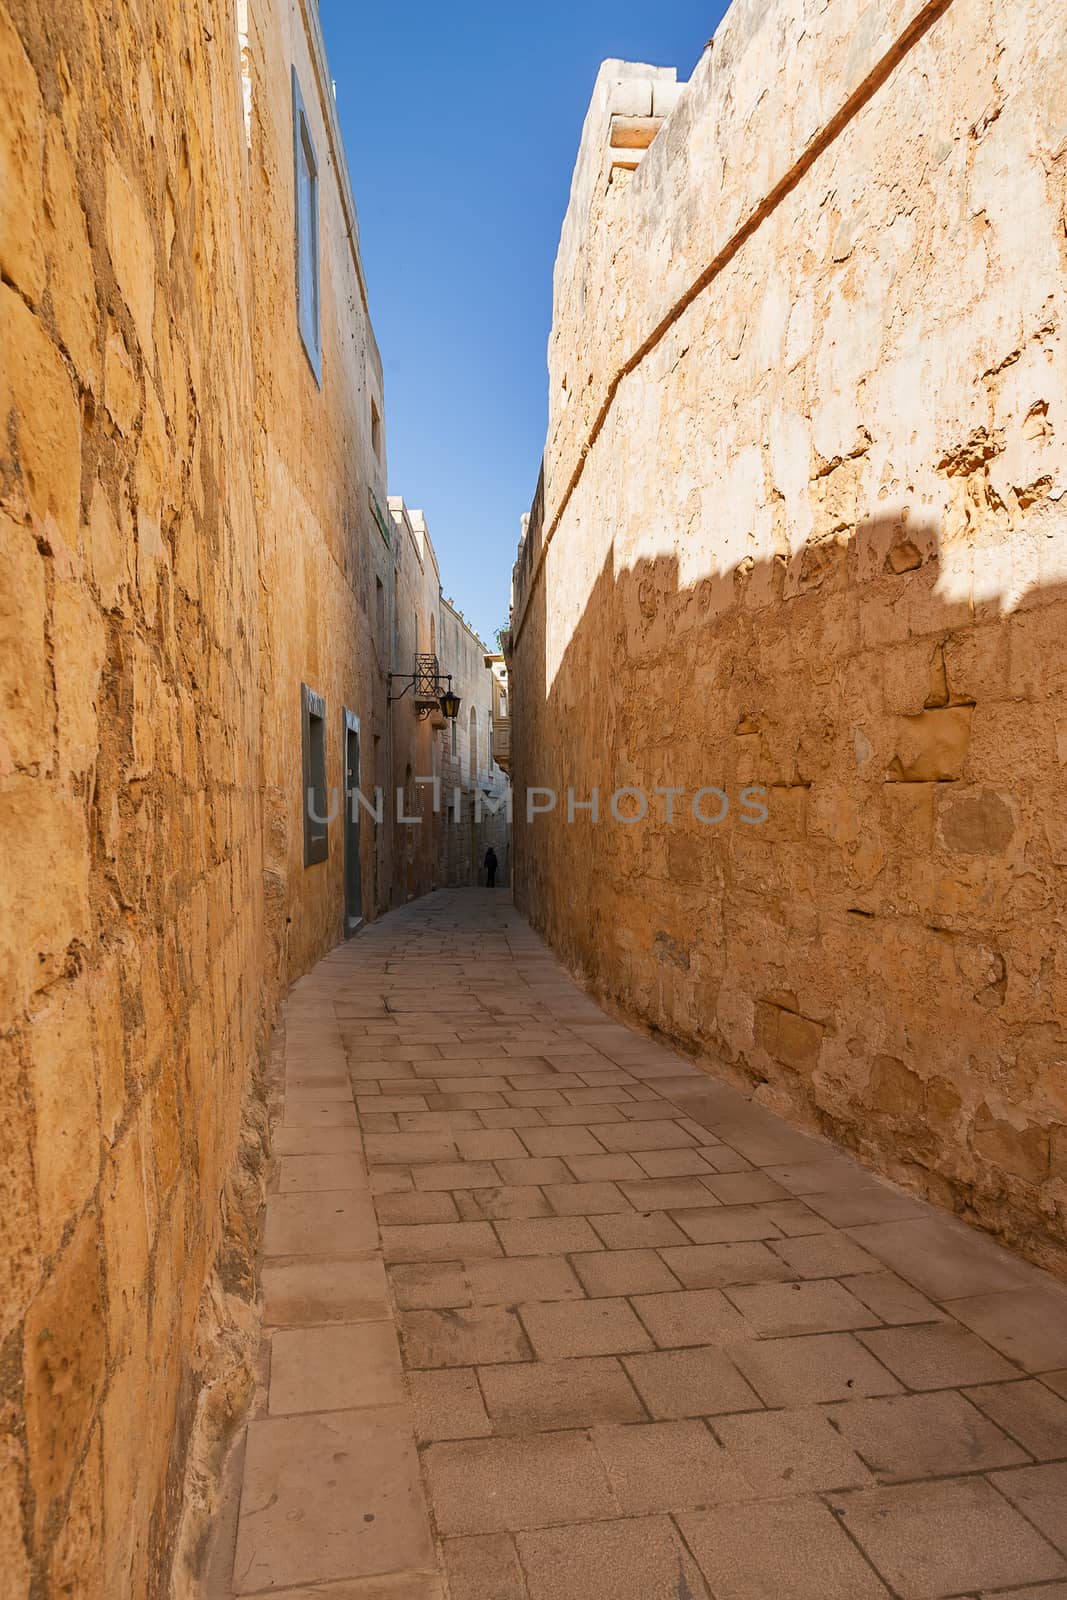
x: 884, y: 957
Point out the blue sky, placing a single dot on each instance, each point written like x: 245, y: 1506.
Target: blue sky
x: 461, y: 124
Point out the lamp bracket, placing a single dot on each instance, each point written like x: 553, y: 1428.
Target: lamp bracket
x: 426, y: 685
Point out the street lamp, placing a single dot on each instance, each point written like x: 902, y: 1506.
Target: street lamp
x: 430, y: 688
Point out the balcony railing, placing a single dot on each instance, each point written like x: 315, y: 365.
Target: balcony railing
x: 427, y: 685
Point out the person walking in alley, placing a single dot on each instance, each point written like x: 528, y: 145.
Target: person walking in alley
x: 490, y: 867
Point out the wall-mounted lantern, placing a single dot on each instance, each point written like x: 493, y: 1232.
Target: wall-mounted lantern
x: 430, y: 688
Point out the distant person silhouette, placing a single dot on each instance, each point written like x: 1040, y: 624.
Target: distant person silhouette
x: 490, y: 867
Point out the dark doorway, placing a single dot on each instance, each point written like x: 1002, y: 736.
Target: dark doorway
x: 353, y: 880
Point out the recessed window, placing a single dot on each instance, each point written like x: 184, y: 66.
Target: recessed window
x: 314, y: 793
x: 376, y: 430
x: 307, y: 233
x: 379, y: 611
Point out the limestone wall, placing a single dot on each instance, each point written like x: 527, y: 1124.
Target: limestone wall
x: 466, y: 763
x: 129, y: 996
x: 187, y: 534
x: 415, y: 741
x: 802, y: 526
x: 319, y: 478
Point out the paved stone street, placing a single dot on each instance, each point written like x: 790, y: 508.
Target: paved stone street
x: 553, y: 1315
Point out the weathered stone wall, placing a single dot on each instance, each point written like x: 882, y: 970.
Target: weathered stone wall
x: 466, y: 764
x: 319, y: 479
x: 187, y: 534
x: 130, y: 997
x: 415, y: 740
x: 802, y: 525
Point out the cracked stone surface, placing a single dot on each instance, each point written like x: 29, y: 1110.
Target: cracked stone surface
x: 671, y: 1349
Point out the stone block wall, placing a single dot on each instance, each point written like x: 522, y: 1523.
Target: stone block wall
x: 802, y: 527
x: 130, y: 992
x: 187, y: 534
x: 320, y: 473
x: 466, y: 764
x: 415, y: 740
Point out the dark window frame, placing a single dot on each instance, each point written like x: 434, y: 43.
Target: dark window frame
x: 309, y: 317
x: 314, y: 792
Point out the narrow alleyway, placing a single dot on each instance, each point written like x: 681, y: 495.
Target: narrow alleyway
x: 552, y: 1315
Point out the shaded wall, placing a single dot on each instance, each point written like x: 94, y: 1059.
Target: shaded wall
x: 415, y: 740
x: 467, y: 764
x: 802, y: 526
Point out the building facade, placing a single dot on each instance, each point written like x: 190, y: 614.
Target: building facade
x: 204, y: 590
x: 800, y: 543
x: 415, y: 719
x: 449, y: 799
x: 476, y: 793
x: 501, y: 712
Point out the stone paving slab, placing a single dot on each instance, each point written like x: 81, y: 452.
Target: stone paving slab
x: 550, y: 1313
x: 539, y: 1395
x: 329, y: 1496
x: 946, y: 1537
